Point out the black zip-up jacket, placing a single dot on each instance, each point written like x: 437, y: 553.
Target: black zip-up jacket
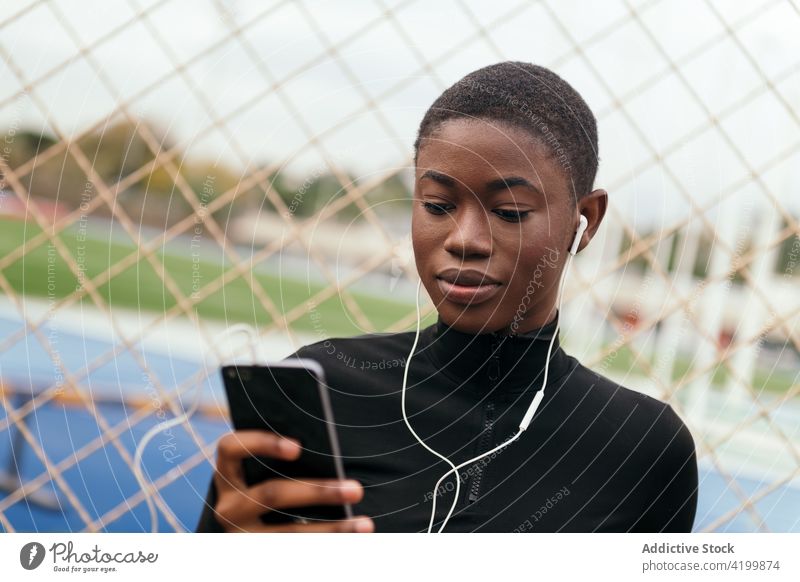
x: 597, y: 457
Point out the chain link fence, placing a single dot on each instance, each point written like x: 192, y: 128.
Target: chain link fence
x: 170, y: 169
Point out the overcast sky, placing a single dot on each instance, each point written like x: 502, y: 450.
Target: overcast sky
x: 619, y: 53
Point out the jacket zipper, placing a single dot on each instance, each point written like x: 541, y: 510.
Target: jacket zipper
x: 488, y: 423
x: 484, y: 445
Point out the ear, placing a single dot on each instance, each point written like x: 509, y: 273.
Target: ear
x: 593, y: 207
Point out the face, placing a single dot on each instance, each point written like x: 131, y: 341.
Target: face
x: 493, y: 219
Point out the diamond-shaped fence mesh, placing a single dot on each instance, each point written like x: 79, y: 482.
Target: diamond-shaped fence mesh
x: 172, y: 168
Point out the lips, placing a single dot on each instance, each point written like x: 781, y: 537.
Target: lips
x: 467, y: 277
x: 467, y: 287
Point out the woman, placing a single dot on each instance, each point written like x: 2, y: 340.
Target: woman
x: 505, y: 164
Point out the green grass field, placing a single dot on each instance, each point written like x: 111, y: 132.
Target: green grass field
x: 42, y: 272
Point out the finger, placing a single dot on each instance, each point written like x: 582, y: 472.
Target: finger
x: 286, y: 493
x: 360, y: 524
x: 233, y: 447
x: 283, y: 493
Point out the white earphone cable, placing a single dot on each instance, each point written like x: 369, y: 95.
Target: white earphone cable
x: 523, y: 425
x: 248, y: 330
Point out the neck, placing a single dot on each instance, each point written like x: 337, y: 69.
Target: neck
x: 518, y: 360
x: 525, y: 327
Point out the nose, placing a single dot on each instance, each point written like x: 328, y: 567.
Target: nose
x: 470, y: 233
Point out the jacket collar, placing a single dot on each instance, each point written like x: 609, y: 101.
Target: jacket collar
x: 495, y: 362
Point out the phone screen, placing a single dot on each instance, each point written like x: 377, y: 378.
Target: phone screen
x: 288, y: 398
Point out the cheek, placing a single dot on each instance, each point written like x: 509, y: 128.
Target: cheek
x: 423, y: 237
x: 427, y: 227
x: 535, y: 263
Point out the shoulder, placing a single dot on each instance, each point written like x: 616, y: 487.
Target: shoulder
x: 653, y: 447
x: 634, y: 415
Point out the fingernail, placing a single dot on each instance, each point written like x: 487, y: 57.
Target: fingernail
x: 363, y: 525
x: 288, y: 445
x: 350, y: 486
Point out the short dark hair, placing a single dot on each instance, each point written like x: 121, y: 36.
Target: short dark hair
x: 530, y: 97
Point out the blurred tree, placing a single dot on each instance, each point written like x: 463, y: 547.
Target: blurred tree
x: 639, y: 263
x: 788, y: 262
x: 24, y: 145
x: 390, y: 196
x: 57, y: 178
x: 210, y: 180
x: 117, y: 151
x: 703, y: 256
x: 309, y: 197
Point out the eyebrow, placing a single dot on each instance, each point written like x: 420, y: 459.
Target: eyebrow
x: 491, y: 186
x: 439, y: 178
x: 511, y: 182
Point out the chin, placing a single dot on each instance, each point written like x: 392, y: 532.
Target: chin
x: 469, y: 319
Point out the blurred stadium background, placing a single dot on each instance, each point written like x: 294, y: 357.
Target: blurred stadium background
x: 171, y: 169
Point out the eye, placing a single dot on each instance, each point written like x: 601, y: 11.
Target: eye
x: 434, y: 208
x: 512, y: 215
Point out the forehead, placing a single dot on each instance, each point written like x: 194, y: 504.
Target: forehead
x: 479, y: 149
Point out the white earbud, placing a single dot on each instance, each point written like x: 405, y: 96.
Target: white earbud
x: 526, y: 419
x: 537, y: 399
x: 579, y: 235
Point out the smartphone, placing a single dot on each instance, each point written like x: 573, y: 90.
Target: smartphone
x: 288, y: 398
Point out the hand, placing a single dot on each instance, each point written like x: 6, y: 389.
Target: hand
x: 240, y: 506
